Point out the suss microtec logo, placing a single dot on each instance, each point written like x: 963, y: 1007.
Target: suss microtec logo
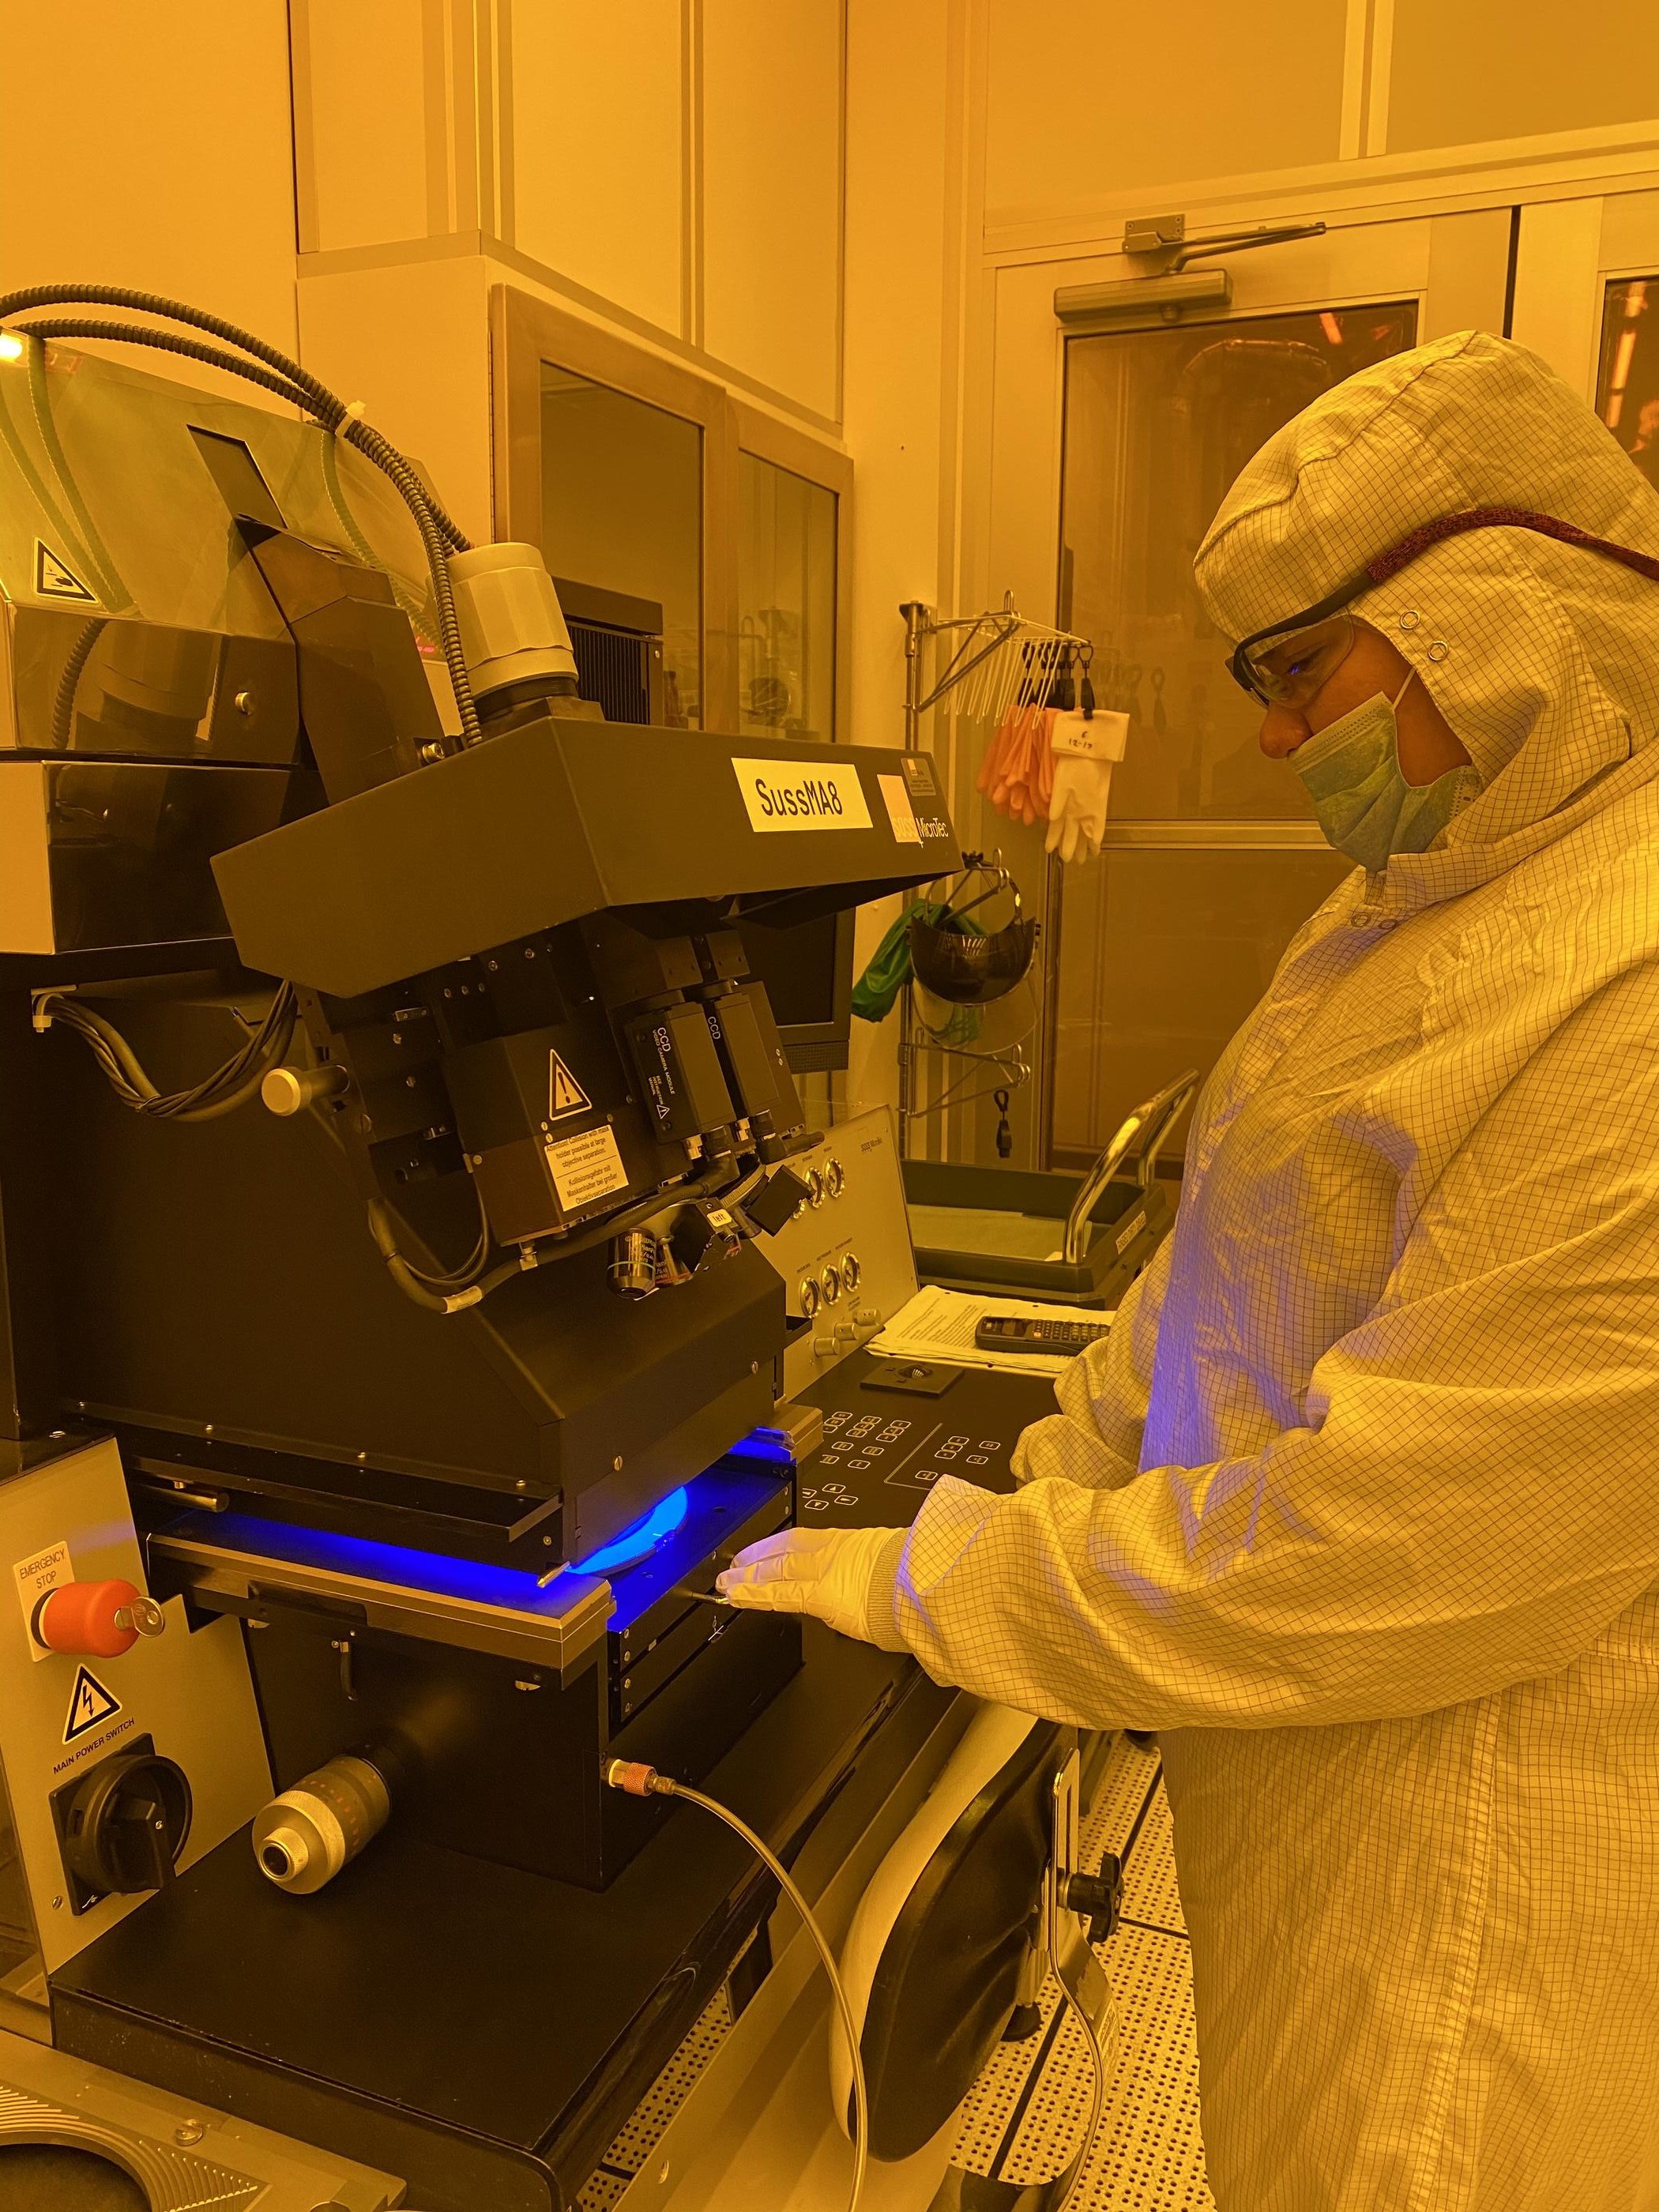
x: 811, y: 799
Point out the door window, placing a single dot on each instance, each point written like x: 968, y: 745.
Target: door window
x: 1213, y: 860
x: 786, y: 601
x: 1627, y: 388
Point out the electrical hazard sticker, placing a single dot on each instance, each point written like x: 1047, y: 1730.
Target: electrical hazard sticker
x: 564, y: 1094
x: 90, y: 1705
x: 55, y: 580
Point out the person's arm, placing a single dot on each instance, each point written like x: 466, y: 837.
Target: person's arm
x: 1470, y: 1503
x: 1103, y: 1395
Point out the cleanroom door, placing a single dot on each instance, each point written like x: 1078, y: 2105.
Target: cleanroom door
x: 1212, y: 859
x: 1587, y: 298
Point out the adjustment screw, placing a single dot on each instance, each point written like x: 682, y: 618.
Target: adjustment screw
x: 189, y: 2131
x: 616, y: 1465
x: 245, y: 703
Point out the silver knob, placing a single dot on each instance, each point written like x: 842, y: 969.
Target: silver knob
x: 287, y: 1090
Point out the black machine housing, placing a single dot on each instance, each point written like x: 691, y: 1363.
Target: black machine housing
x: 527, y: 1025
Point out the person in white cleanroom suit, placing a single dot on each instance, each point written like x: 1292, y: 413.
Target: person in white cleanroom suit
x: 1358, y: 1505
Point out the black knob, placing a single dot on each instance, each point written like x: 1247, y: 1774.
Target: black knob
x: 126, y: 1824
x: 1098, y: 1896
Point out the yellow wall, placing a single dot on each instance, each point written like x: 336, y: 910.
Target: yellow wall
x: 846, y: 211
x: 151, y: 148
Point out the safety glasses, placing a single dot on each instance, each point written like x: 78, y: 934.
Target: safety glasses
x: 1285, y: 664
x: 1287, y: 672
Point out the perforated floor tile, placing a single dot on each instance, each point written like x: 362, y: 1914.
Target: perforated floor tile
x: 993, y: 2101
x: 1150, y: 1894
x: 671, y: 2087
x: 1057, y: 2115
x: 1149, y: 2156
x: 602, y: 2191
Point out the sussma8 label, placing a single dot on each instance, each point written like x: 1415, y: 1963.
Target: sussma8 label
x: 814, y: 795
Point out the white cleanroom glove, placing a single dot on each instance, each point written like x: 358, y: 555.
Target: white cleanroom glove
x: 843, y: 1577
x: 1085, y: 747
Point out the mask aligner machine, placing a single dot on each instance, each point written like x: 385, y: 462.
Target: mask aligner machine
x: 441, y: 1372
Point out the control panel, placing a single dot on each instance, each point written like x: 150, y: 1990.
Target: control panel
x: 844, y: 1257
x: 892, y: 1428
x: 133, y: 1741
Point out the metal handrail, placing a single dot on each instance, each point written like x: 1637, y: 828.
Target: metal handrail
x: 1156, y: 1117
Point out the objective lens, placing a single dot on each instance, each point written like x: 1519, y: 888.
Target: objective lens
x: 302, y: 1838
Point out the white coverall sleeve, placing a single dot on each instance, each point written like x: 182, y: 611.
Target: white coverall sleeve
x: 1103, y: 1395
x: 1473, y: 1500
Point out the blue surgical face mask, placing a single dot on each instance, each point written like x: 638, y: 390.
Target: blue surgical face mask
x: 1364, y: 805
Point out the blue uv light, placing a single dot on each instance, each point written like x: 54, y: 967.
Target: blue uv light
x: 512, y: 1588
x: 640, y: 1537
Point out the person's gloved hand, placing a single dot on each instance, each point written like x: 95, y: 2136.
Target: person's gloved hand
x: 843, y: 1577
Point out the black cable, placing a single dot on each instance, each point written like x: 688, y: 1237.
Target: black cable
x: 438, y: 532
x: 436, y: 1278
x: 62, y: 704
x: 450, y: 1293
x: 73, y: 326
x: 328, y: 407
x: 229, y: 1086
x: 442, y: 1294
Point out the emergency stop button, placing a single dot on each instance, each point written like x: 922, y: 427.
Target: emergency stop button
x: 95, y: 1620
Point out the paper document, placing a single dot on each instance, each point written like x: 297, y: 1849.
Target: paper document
x: 939, y: 1324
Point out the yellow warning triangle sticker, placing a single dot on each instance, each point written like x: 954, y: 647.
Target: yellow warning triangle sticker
x: 55, y: 580
x: 90, y: 1705
x: 564, y: 1094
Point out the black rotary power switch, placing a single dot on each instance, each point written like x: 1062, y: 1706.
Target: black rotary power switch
x: 123, y: 1825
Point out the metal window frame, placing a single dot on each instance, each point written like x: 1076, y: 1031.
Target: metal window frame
x: 526, y: 331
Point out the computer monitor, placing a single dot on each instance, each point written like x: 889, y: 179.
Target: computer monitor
x: 807, y: 970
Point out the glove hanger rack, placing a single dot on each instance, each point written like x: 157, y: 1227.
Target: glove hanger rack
x: 990, y: 660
